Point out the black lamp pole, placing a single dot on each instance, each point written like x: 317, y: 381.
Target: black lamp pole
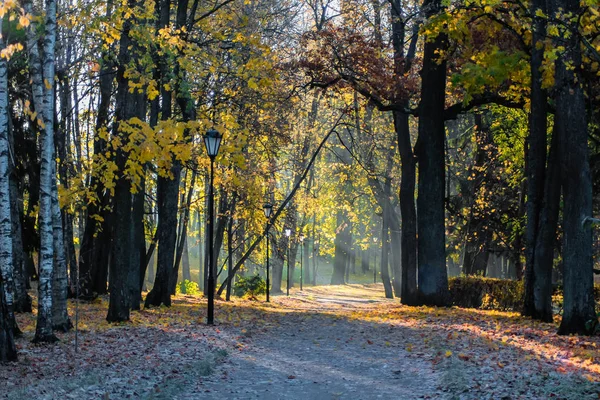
x: 301, y: 260
x: 212, y: 140
x: 288, y: 232
x: 268, y: 208
x: 375, y: 266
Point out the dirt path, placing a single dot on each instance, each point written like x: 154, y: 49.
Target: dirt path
x: 327, y: 342
x: 313, y: 355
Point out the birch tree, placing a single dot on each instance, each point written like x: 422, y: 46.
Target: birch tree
x: 7, y: 345
x: 44, y: 327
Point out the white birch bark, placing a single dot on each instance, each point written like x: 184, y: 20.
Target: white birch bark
x: 6, y: 261
x: 44, y: 332
x: 60, y: 315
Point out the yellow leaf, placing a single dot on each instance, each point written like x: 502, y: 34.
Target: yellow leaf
x: 448, y: 353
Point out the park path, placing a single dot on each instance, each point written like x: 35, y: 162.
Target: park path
x: 315, y: 351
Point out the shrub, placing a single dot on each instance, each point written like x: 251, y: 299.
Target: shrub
x: 188, y: 287
x: 486, y: 293
x: 251, y: 286
x: 499, y: 294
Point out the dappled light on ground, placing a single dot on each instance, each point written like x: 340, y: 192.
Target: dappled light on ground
x: 334, y: 341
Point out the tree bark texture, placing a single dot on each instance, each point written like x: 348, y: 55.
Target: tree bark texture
x: 8, y: 350
x: 433, y: 277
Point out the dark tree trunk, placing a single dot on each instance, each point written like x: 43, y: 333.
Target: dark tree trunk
x: 408, y: 241
x: 305, y: 265
x: 138, y: 254
x: 578, y: 311
x: 168, y: 196
x: 167, y: 191
x: 536, y: 159
x: 182, y: 237
x: 546, y: 237
x: 385, y: 253
x: 185, y: 262
x: 95, y: 249
x: 8, y: 350
x: 364, y: 261
x: 122, y: 238
x: 433, y: 277
x: 339, y: 261
x: 22, y: 300
x: 229, y: 258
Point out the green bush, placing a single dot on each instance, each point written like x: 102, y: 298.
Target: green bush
x: 251, y: 286
x: 486, y: 293
x: 188, y: 287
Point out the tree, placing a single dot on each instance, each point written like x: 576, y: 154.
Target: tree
x: 43, y: 82
x: 8, y: 351
x: 430, y: 152
x: 571, y: 126
x: 542, y: 205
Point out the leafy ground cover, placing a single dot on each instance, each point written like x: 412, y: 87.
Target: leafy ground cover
x: 325, y: 342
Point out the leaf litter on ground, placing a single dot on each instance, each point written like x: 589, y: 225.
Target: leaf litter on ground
x: 166, y: 352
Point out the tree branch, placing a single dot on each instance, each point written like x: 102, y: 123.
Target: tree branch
x: 290, y: 196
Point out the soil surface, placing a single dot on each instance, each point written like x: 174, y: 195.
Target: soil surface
x: 315, y: 352
x: 326, y: 342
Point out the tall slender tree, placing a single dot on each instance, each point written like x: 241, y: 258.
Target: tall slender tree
x: 7, y: 344
x: 44, y: 328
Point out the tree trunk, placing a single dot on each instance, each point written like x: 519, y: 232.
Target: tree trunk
x: 578, y: 311
x: 229, y: 258
x: 138, y: 251
x: 121, y: 269
x: 339, y: 261
x: 185, y: 262
x: 182, y: 242
x: 536, y: 158
x: 45, y: 86
x: 94, y: 251
x: 8, y: 350
x: 433, y: 277
x: 22, y: 300
x: 305, y: 265
x: 60, y: 283
x: 385, y: 253
x: 546, y: 237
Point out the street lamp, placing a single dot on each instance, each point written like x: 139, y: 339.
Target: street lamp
x: 375, y: 266
x: 212, y: 141
x: 268, y: 209
x: 301, y: 260
x: 288, y: 233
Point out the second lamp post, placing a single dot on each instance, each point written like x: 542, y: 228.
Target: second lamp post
x: 212, y: 141
x: 288, y: 233
x: 268, y: 209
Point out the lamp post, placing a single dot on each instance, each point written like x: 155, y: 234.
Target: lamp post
x: 268, y: 209
x: 301, y: 258
x: 212, y: 141
x: 375, y: 266
x: 288, y: 233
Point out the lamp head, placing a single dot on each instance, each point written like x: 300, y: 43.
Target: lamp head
x: 268, y: 209
x: 212, y: 141
x: 288, y: 232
